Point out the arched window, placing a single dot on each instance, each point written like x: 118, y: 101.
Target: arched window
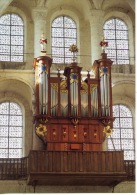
x: 116, y: 33
x: 64, y: 34
x: 122, y: 137
x: 11, y: 130
x: 11, y: 38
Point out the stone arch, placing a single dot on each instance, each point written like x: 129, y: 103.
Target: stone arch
x: 21, y: 81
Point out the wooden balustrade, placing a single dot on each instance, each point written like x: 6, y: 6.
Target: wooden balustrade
x: 13, y: 168
x: 105, y: 164
x: 76, y: 167
x: 76, y: 161
x: 130, y: 169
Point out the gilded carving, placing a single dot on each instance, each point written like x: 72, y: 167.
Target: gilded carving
x: 93, y: 87
x: 41, y: 130
x: 107, y: 130
x: 54, y: 86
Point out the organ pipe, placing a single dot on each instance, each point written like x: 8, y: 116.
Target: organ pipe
x: 84, y: 104
x: 105, y: 96
x: 43, y: 89
x: 74, y: 98
x: 40, y: 91
x: 94, y: 102
x: 54, y: 99
x: 64, y: 103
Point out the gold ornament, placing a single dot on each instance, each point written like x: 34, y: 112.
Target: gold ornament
x: 107, y: 130
x: 41, y: 130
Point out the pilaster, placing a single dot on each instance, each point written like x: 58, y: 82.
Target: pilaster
x: 96, y: 24
x: 39, y: 16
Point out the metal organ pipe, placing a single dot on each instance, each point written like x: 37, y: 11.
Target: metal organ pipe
x: 54, y: 101
x: 94, y: 102
x: 44, y: 92
x: 102, y: 94
x: 105, y: 97
x: 43, y: 89
x: 74, y: 98
x: 40, y: 90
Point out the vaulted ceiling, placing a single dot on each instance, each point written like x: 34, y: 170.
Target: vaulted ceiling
x: 86, y: 5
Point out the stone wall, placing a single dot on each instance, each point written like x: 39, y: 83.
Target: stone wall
x: 22, y: 187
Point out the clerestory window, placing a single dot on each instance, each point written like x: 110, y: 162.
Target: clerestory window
x: 116, y: 33
x: 64, y: 34
x: 11, y: 38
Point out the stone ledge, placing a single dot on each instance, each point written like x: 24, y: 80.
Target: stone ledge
x: 12, y: 65
x: 123, y: 68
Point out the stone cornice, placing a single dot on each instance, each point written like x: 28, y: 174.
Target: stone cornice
x: 125, y: 68
x: 12, y: 65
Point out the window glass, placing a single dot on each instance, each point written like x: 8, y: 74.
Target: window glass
x: 10, y: 130
x: 64, y: 34
x: 116, y: 33
x: 11, y: 38
x: 122, y: 137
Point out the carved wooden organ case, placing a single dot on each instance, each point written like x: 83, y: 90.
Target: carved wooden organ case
x: 72, y: 113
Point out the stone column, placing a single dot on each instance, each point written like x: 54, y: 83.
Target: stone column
x: 39, y: 15
x: 96, y: 24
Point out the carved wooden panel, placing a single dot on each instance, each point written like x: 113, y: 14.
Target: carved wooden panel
x: 73, y: 133
x: 83, y: 133
x: 94, y: 133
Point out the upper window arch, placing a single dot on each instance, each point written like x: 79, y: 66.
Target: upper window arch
x: 11, y: 38
x: 64, y: 34
x: 116, y: 33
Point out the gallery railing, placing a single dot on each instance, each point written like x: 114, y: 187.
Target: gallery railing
x: 13, y: 168
x: 130, y: 169
x: 38, y: 161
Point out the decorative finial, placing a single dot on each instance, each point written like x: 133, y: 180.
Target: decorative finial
x: 43, y: 42
x: 73, y: 48
x: 103, y: 44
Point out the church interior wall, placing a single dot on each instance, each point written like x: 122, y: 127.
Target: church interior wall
x: 17, y: 79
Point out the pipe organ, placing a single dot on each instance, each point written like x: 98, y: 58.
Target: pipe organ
x: 72, y: 113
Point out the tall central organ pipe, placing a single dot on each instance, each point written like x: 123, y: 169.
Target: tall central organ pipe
x: 43, y: 89
x: 74, y: 98
x: 105, y: 96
